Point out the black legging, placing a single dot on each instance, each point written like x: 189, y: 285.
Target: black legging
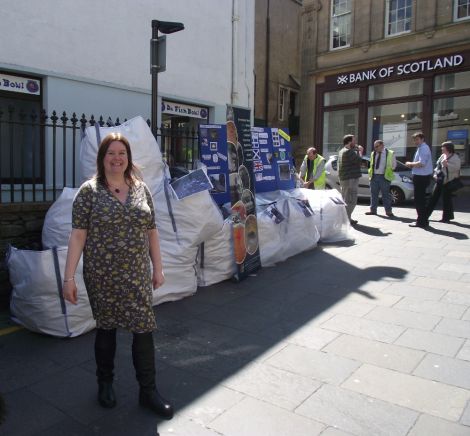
x: 447, y: 206
x: 420, y: 184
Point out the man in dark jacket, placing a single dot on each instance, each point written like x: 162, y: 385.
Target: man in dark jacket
x: 349, y: 170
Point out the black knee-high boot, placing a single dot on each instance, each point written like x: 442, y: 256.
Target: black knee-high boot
x: 105, y: 350
x: 143, y: 356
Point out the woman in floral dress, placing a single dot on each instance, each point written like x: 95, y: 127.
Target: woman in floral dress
x: 113, y: 224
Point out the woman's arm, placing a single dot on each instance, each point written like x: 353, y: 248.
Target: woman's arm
x: 158, y: 277
x: 75, y: 249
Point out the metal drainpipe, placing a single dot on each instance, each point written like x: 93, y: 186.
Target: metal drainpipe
x: 235, y: 20
x: 266, y: 78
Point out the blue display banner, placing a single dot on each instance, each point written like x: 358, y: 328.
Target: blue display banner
x: 214, y: 155
x: 272, y: 159
x: 457, y: 134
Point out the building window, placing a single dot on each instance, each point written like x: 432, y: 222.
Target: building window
x: 340, y: 23
x: 341, y: 97
x: 403, y: 88
x: 461, y: 10
x: 398, y: 17
x: 283, y: 92
x: 336, y: 124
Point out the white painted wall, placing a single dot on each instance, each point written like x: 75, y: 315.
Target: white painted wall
x: 94, y: 55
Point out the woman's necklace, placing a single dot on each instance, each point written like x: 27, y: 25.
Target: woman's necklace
x: 116, y: 189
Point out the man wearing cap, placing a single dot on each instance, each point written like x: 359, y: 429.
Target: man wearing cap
x: 312, y: 170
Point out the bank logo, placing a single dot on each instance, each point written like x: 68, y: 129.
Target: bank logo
x: 342, y: 80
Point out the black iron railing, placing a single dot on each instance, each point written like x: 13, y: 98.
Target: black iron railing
x: 39, y: 153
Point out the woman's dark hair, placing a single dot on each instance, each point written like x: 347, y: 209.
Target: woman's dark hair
x: 449, y: 146
x: 131, y: 173
x: 347, y: 139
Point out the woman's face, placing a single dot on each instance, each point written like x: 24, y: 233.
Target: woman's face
x: 115, y: 160
x: 444, y: 150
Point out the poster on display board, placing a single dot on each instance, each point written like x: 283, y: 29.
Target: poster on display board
x: 394, y: 137
x: 242, y: 192
x: 272, y: 159
x: 214, y: 155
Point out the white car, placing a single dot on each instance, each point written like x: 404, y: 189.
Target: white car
x: 401, y: 187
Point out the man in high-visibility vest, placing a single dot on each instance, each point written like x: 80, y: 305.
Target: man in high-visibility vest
x: 382, y: 164
x: 312, y: 170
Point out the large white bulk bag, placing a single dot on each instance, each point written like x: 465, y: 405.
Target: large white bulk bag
x: 215, y: 261
x: 36, y: 300
x: 58, y: 221
x: 284, y: 228
x: 179, y: 267
x: 330, y: 216
x: 146, y: 154
x: 189, y: 221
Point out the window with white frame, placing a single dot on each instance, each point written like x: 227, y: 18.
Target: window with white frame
x: 283, y: 93
x: 398, y: 17
x: 461, y: 10
x: 340, y: 24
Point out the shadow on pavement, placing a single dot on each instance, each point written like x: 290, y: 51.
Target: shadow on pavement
x: 201, y: 341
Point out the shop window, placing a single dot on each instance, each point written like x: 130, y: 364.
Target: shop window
x: 294, y: 113
x: 398, y: 17
x: 341, y: 97
x: 336, y: 124
x: 452, y: 82
x: 451, y: 123
x: 21, y: 156
x: 396, y: 89
x: 283, y: 92
x: 340, y: 24
x: 395, y: 124
x: 461, y: 10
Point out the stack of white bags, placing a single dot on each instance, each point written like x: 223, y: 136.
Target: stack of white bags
x: 195, y: 241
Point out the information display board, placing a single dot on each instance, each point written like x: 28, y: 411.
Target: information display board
x: 272, y: 159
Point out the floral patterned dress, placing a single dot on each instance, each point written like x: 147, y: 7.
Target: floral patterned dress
x: 116, y: 261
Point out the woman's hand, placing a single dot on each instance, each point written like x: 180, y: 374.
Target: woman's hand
x: 70, y: 291
x: 444, y: 163
x: 158, y: 278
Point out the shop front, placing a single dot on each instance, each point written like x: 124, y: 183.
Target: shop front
x: 392, y: 102
x: 180, y: 124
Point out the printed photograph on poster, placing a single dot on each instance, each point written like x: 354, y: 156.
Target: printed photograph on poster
x: 232, y: 134
x: 251, y: 234
x: 394, y: 137
x: 219, y: 183
x: 232, y: 157
x: 273, y: 212
x: 305, y: 207
x: 239, y: 210
x: 284, y: 171
x: 240, y: 153
x: 239, y: 245
x: 244, y: 177
x: 236, y: 187
x: 213, y: 146
x: 190, y: 184
x: 248, y: 200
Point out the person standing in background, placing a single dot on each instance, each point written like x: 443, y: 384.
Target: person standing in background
x: 382, y: 164
x: 447, y: 169
x: 312, y: 170
x: 421, y: 168
x: 349, y: 170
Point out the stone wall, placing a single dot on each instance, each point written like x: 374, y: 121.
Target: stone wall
x: 20, y: 226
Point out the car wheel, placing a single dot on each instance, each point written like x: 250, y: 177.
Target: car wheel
x: 397, y: 195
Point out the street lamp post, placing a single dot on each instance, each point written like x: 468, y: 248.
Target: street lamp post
x: 158, y: 60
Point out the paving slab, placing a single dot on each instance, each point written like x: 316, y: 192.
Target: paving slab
x: 454, y: 327
x: 254, y: 417
x: 416, y: 393
x: 273, y: 385
x: 464, y: 352
x: 431, y: 342
x: 356, y: 413
x: 439, y: 308
x: 430, y: 425
x: 457, y: 298
x: 321, y: 366
x: 404, y: 318
x: 395, y: 357
x: 445, y: 369
x: 415, y: 291
x: 369, y: 329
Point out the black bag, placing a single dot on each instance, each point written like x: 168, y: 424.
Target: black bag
x: 454, y: 185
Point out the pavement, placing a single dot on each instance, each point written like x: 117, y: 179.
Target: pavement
x: 370, y: 337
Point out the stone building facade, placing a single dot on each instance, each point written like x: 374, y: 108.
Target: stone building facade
x: 386, y: 69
